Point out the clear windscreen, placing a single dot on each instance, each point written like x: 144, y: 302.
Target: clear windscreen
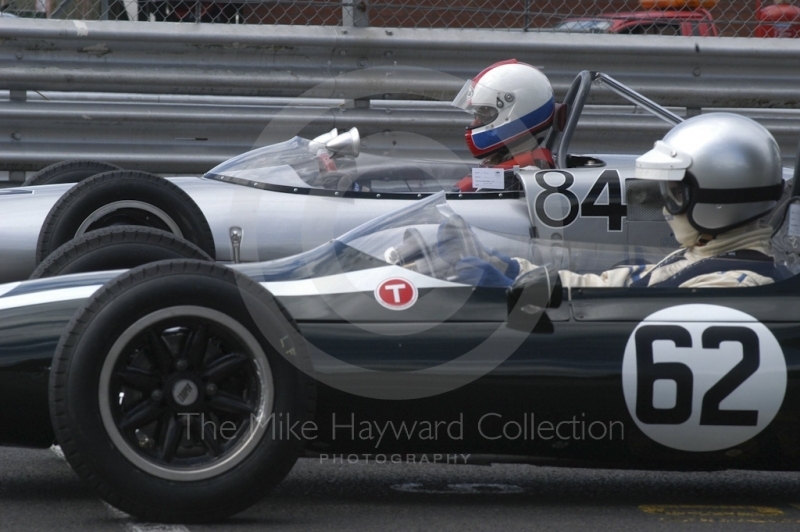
x: 289, y: 163
x: 431, y: 239
x: 300, y: 163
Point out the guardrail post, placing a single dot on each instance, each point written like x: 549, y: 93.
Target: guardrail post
x: 354, y: 14
x: 16, y: 176
x: 17, y: 95
x: 527, y: 16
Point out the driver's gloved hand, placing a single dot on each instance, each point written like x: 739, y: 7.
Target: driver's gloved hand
x: 456, y: 241
x: 338, y: 181
x: 476, y: 272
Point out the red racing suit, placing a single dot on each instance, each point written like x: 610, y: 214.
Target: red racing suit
x: 539, y: 157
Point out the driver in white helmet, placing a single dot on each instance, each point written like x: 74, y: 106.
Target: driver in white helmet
x: 513, y: 108
x: 719, y: 174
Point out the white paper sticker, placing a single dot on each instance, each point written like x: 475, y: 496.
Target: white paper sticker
x: 794, y: 219
x: 488, y: 178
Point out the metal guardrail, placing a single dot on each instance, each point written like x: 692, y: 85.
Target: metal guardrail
x: 191, y: 134
x: 334, y: 62
x: 181, y: 98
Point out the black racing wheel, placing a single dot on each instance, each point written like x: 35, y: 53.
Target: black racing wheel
x: 166, y: 383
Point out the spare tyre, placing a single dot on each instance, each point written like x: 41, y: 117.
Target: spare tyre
x: 124, y: 197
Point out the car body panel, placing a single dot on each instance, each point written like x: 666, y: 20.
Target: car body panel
x: 263, y: 214
x: 22, y: 214
x: 564, y: 372
x: 264, y: 217
x: 566, y: 204
x: 552, y: 377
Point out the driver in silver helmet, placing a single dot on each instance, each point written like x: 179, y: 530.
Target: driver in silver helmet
x: 718, y: 174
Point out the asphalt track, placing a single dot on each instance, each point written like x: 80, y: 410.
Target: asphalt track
x: 38, y: 491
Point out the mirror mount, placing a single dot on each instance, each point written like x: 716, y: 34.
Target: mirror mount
x: 346, y: 144
x: 318, y: 143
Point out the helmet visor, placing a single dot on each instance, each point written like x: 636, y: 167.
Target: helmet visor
x: 676, y: 195
x: 483, y: 114
x: 463, y: 99
x: 663, y: 162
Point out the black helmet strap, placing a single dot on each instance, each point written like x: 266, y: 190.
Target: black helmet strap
x: 738, y: 195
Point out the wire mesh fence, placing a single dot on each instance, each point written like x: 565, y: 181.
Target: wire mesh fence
x: 751, y: 18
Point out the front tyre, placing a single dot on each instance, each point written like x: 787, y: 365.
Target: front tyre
x: 123, y: 197
x: 116, y: 248
x: 166, y: 387
x: 68, y: 172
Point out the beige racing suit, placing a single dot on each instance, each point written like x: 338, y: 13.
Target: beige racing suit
x: 752, y: 236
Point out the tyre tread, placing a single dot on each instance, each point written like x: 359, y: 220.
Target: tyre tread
x: 46, y: 174
x: 109, y: 179
x: 93, y: 240
x: 63, y: 359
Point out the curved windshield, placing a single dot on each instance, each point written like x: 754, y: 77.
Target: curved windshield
x: 301, y: 163
x: 289, y: 163
x: 431, y: 239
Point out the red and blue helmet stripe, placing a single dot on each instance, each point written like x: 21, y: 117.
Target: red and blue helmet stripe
x: 490, y: 140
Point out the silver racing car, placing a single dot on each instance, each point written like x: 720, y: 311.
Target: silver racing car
x: 285, y: 198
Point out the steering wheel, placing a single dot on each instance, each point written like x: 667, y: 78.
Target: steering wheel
x: 414, y: 245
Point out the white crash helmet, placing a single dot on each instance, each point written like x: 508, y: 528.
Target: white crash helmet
x: 510, y: 102
x: 720, y: 169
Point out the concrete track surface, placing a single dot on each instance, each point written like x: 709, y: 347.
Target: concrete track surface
x: 38, y: 491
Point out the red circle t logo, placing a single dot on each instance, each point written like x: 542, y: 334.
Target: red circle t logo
x: 396, y: 294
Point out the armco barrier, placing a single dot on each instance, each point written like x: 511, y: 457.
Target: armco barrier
x: 321, y: 61
x: 181, y: 97
x: 190, y: 134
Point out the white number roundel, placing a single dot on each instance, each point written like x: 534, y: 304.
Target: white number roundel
x: 702, y: 377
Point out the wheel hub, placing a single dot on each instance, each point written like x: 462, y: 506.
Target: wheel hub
x: 185, y: 392
x: 166, y: 383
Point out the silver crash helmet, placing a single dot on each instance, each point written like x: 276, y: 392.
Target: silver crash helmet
x: 720, y: 169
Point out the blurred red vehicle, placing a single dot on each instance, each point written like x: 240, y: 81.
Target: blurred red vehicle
x: 687, y: 22
x: 778, y: 20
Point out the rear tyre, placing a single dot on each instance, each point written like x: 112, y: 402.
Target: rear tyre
x: 68, y: 172
x: 123, y: 197
x: 165, y: 405
x: 116, y: 248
